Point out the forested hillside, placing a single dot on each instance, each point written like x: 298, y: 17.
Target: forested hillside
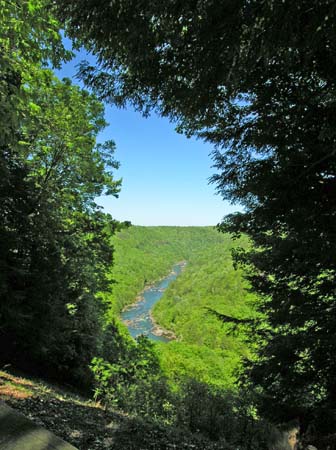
x: 209, y: 282
x: 206, y: 349
x: 145, y: 254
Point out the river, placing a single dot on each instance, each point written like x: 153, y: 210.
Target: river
x: 137, y: 317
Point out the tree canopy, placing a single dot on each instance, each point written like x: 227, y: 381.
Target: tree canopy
x: 54, y: 238
x: 256, y: 79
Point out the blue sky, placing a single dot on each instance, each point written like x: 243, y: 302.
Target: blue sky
x: 165, y: 175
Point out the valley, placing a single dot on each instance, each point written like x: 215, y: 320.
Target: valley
x: 203, y: 346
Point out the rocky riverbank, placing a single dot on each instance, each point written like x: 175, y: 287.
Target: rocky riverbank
x: 157, y: 330
x: 138, y: 316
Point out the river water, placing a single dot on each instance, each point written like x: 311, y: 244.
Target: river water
x: 137, y: 316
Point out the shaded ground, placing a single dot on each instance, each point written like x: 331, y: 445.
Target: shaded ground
x: 75, y: 419
x: 85, y: 424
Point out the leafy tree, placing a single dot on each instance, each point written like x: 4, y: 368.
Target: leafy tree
x: 54, y: 239
x: 24, y: 33
x: 130, y: 377
x: 256, y: 79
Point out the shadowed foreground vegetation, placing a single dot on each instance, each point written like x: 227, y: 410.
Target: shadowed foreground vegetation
x: 88, y: 425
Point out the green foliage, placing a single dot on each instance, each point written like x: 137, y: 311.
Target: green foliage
x: 212, y: 366
x: 187, y: 383
x: 205, y: 349
x: 145, y: 254
x: 128, y: 375
x: 54, y: 240
x: 221, y: 415
x: 209, y: 282
x: 256, y: 79
x: 130, y: 378
x: 140, y: 434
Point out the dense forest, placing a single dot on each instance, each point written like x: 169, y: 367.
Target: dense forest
x: 54, y: 239
x: 256, y: 80
x: 208, y: 284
